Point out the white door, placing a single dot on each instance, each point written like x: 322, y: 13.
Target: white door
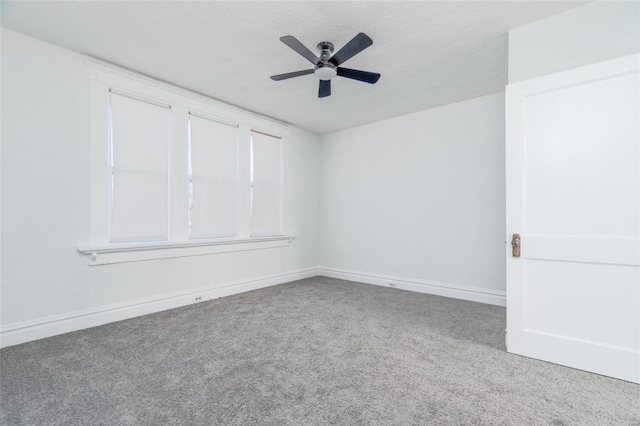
x: 573, y: 195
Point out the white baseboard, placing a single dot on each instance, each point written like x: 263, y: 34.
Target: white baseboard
x: 492, y: 297
x: 22, y: 332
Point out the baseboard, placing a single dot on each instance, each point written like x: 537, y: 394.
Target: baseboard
x: 492, y: 297
x: 22, y: 332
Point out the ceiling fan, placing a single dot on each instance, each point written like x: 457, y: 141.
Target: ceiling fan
x: 327, y: 65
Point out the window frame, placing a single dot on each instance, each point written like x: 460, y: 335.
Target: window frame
x: 102, y: 79
x: 112, y: 166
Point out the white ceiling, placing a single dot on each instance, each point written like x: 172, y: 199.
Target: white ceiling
x: 429, y: 53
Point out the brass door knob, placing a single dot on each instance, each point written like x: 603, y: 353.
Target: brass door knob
x: 515, y: 245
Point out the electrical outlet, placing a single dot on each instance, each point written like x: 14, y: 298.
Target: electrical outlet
x: 197, y: 299
x: 392, y: 285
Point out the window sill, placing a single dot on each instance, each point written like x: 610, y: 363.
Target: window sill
x: 138, y: 251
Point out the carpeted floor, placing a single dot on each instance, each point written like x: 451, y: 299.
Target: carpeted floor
x: 313, y: 352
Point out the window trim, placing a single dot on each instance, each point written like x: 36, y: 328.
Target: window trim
x: 104, y: 79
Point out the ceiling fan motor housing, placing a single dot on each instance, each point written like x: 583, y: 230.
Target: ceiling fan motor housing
x: 325, y: 70
x: 325, y: 48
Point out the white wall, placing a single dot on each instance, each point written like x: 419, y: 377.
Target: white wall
x: 587, y: 34
x: 419, y: 197
x: 45, y: 200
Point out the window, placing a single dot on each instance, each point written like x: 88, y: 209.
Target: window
x: 176, y: 174
x: 213, y: 177
x: 139, y: 161
x: 266, y: 184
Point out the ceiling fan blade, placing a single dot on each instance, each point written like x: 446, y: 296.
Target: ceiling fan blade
x: 349, y: 50
x: 365, y: 76
x: 293, y: 43
x: 325, y: 88
x: 291, y: 75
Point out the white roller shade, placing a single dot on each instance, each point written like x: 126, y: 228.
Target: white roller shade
x: 266, y: 174
x: 213, y: 166
x: 140, y: 133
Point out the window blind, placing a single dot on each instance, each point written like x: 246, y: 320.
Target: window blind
x: 213, y: 174
x: 140, y: 135
x: 266, y: 180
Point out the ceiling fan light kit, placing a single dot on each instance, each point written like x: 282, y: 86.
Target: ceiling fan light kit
x: 327, y: 65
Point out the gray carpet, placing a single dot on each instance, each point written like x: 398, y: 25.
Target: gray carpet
x: 313, y: 352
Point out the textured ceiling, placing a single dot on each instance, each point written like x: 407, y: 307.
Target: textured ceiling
x: 429, y: 53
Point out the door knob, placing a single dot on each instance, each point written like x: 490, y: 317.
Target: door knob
x: 515, y: 245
